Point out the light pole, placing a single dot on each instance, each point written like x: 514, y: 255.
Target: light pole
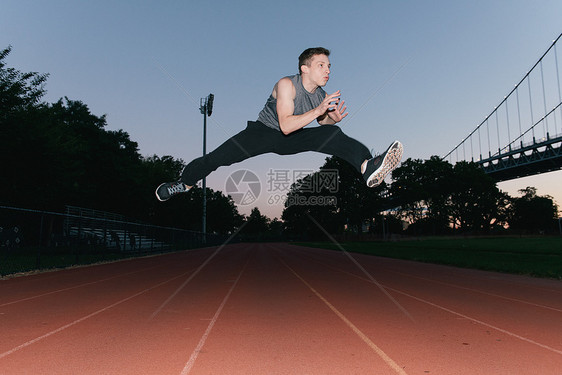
x: 206, y: 108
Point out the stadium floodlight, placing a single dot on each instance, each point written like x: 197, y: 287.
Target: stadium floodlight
x: 210, y: 100
x: 206, y: 108
x: 206, y: 105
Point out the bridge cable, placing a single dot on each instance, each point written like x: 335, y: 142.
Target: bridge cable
x: 553, y: 45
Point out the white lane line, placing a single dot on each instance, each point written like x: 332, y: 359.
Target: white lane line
x: 480, y: 291
x: 461, y: 315
x: 442, y: 283
x: 389, y: 361
x: 171, y: 297
x: 373, y: 280
x: 5, y: 354
x: 189, y: 365
x: 480, y: 322
x: 73, y: 287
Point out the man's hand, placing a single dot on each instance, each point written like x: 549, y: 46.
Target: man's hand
x: 339, y: 112
x: 334, y: 109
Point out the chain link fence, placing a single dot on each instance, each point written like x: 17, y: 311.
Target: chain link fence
x: 33, y: 240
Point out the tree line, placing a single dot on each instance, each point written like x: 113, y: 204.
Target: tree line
x: 58, y: 154
x: 425, y: 197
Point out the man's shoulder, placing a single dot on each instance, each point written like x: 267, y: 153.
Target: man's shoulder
x: 285, y: 84
x: 287, y: 79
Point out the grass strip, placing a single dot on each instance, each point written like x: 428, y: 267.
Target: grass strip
x: 534, y: 256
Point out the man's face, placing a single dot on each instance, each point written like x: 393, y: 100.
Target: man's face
x: 318, y: 70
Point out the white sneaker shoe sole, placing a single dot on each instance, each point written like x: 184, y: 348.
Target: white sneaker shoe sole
x: 389, y: 163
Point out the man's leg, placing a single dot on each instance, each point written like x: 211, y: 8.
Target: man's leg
x: 255, y: 140
x: 327, y: 139
x: 331, y: 140
x: 259, y: 139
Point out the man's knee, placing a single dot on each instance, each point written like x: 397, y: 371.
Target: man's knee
x: 332, y: 131
x: 331, y: 128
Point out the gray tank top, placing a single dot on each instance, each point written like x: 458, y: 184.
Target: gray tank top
x: 304, y: 102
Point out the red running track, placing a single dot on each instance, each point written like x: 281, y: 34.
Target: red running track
x: 278, y: 309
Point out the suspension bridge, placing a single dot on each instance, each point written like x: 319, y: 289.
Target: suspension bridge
x: 522, y: 136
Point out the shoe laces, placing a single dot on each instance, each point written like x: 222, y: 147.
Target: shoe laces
x: 176, y: 188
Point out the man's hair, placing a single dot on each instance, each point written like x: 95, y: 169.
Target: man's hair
x: 306, y: 56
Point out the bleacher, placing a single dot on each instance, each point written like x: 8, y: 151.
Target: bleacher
x: 111, y: 230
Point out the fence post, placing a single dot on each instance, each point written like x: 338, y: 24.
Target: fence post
x: 38, y: 260
x: 125, y: 238
x: 78, y: 244
x: 141, y: 231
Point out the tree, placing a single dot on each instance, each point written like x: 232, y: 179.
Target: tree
x: 156, y: 169
x: 109, y: 164
x: 532, y: 213
x: 276, y: 228
x: 257, y: 225
x: 310, y: 209
x: 20, y: 106
x: 60, y: 154
x: 331, y: 200
x: 222, y: 213
x: 53, y: 155
x: 435, y: 196
x: 19, y: 91
x: 356, y: 203
x: 422, y: 189
x: 476, y: 202
x: 186, y: 211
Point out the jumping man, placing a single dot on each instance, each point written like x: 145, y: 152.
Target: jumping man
x: 295, y: 102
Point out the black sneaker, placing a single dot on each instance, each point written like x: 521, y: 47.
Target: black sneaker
x: 380, y: 166
x: 168, y: 189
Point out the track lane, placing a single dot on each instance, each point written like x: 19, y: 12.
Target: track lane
x: 72, y: 301
x: 116, y: 327
x: 509, y: 312
x: 271, y: 321
x: 274, y: 324
x: 526, y: 328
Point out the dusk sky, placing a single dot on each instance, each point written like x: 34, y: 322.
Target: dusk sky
x: 423, y: 72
